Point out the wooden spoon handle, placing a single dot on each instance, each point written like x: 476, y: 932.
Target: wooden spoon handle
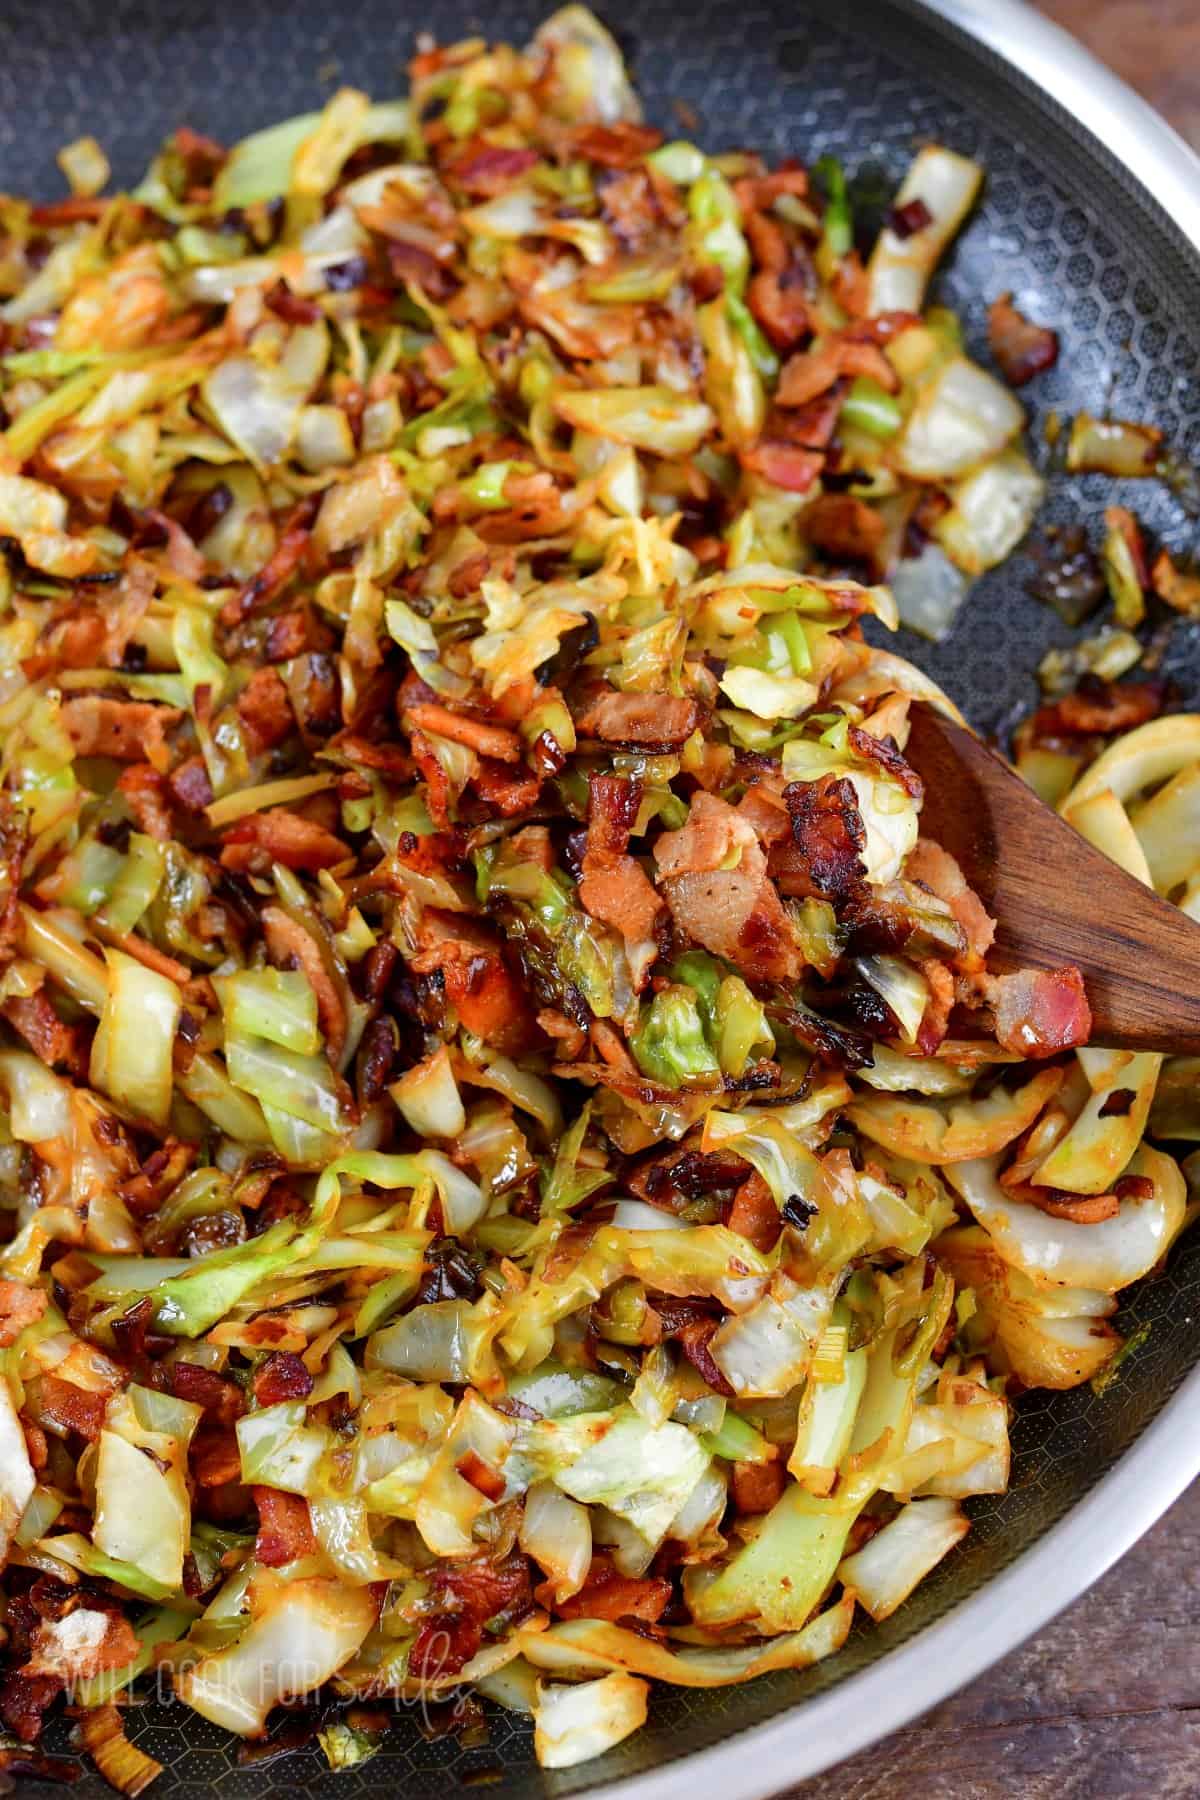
x: 1056, y: 900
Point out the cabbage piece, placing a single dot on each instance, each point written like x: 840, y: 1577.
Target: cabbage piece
x: 650, y: 418
x: 965, y: 1129
x: 580, y: 1645
x: 1168, y: 829
x: 774, y: 1582
x: 644, y: 1473
x: 428, y: 1096
x: 900, y: 268
x: 260, y: 166
x: 1047, y: 1335
x: 929, y: 592
x: 587, y: 79
x: 1097, y: 1148
x: 448, y: 1505
x: 300, y: 1633
x: 276, y: 1004
x: 191, y: 1303
x: 143, y: 1511
x: 132, y: 1049
x: 826, y: 1424
x: 767, y: 1350
x: 962, y: 417
x: 957, y: 1444
x: 571, y: 1724
x: 439, y: 1341
x: 886, y: 1570
x: 1108, y: 1254
x: 557, y: 1532
x: 669, y: 1042
x: 279, y: 1448
x: 901, y: 987
x: 303, y: 1086
x: 990, y: 512
x: 17, y: 1480
x: 72, y: 1548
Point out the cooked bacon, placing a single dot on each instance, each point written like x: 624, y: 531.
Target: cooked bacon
x: 613, y: 886
x: 161, y: 1171
x: 281, y: 1377
x: 845, y: 528
x: 23, y: 1701
x: 753, y: 1213
x: 221, y: 1400
x: 784, y: 287
x: 813, y: 372
x: 62, y: 1407
x: 144, y: 792
x: 127, y: 730
x: 265, y: 711
x: 1099, y: 707
x: 734, y: 912
x: 190, y: 785
x: 291, y: 946
x: 936, y: 1018
x: 614, y: 146
x: 85, y: 1641
x: 254, y: 843
x: 1178, y: 589
x: 466, y: 1594
x: 58, y: 1044
x: 886, y: 752
x: 488, y: 169
x: 641, y: 719
x: 1080, y: 1209
x: 937, y: 870
x: 791, y: 450
x: 1021, y: 348
x: 215, y: 1458
x: 280, y: 567
x: 756, y: 1486
x: 824, y: 857
x: 480, y: 1475
x: 607, y: 1594
x: 479, y: 984
x: 488, y: 740
x: 284, y: 1527
x: 693, y: 1341
x: 509, y: 791
x: 19, y: 1306
x: 1039, y: 1013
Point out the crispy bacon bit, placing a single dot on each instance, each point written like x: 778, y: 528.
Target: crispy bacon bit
x: 253, y: 844
x: 1021, y: 348
x: 511, y: 792
x: 62, y: 1407
x: 1039, y: 1013
x: 1099, y: 707
x: 1134, y: 1187
x: 693, y: 1341
x: 19, y: 1306
x: 935, y: 1020
x: 190, y: 785
x: 937, y: 870
x: 1080, y: 1209
x: 757, y: 1486
x: 886, y: 752
x: 126, y: 730
x: 279, y: 568
x: 614, y: 146
x: 24, y: 1699
x: 613, y: 886
x: 813, y: 372
x: 489, y: 169
x: 754, y: 1214
x: 284, y: 1527
x: 488, y: 740
x: 791, y: 451
x: 713, y: 872
x: 281, y: 1377
x: 481, y: 1476
x: 478, y: 983
x: 58, y: 1044
x: 607, y: 1594
x: 216, y: 1460
x: 265, y: 711
x: 781, y: 295
x: 845, y: 528
x: 85, y: 1641
x: 221, y: 1400
x: 144, y: 792
x: 466, y: 1595
x: 905, y: 221
x: 824, y: 857
x: 1118, y: 1103
x: 639, y: 719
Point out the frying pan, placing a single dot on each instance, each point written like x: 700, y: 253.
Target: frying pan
x: 1092, y: 217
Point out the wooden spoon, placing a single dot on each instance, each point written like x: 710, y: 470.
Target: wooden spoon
x: 1054, y: 898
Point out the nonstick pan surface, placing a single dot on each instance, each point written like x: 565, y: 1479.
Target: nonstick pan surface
x: 1085, y: 247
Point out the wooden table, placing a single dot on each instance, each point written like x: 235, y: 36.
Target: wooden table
x: 1104, y: 1704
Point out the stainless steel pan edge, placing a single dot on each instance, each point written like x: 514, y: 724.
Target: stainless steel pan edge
x: 1151, y: 1475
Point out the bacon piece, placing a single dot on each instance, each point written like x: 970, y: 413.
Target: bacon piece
x: 641, y: 719
x: 1098, y: 707
x: 57, y: 1044
x: 130, y: 731
x: 1080, y: 1209
x: 1180, y: 590
x: 1039, y: 1013
x: 480, y: 1475
x: 733, y: 911
x: 1021, y: 348
x: 511, y: 792
x: 936, y: 1018
x: 754, y: 1214
x: 144, y: 791
x: 693, y: 1341
x: 845, y: 528
x: 62, y: 1407
x: 221, y: 1400
x: 265, y: 711
x: 756, y: 1486
x: 284, y: 1527
x: 282, y: 1376
x: 290, y: 946
x: 253, y: 844
x: 886, y: 752
x: 190, y: 785
x: 486, y: 995
x: 614, y: 146
x: 488, y: 169
x: 755, y: 193
x: 613, y: 886
x: 281, y: 565
x: 19, y: 1306
x: 811, y: 373
x: 937, y: 870
x: 791, y: 450
x: 215, y: 1458
x: 161, y: 1171
x: 781, y: 292
x: 488, y: 740
x: 607, y: 1594
x: 824, y: 858
x: 82, y: 1643
x: 466, y: 1595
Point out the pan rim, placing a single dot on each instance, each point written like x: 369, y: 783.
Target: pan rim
x: 1146, y: 1480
